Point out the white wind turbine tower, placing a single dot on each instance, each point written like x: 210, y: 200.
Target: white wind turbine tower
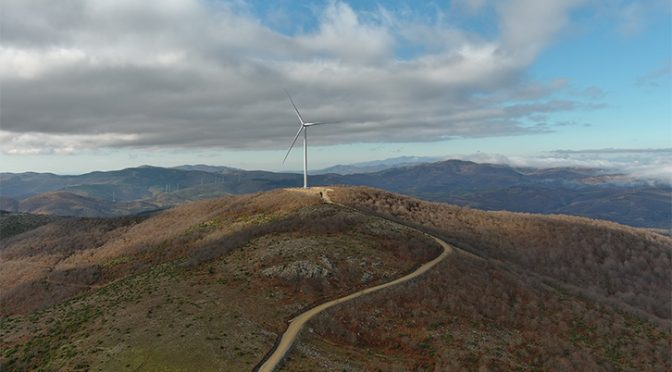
x: 303, y: 126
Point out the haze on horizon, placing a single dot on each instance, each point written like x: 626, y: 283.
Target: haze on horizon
x: 97, y: 85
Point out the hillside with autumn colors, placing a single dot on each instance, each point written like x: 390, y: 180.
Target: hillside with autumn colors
x: 211, y: 285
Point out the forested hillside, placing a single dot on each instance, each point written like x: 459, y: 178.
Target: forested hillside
x: 630, y: 266
x: 208, y: 285
x: 211, y: 285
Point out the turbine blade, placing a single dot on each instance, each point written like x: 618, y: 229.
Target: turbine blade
x: 321, y: 123
x: 295, y: 109
x: 293, y: 142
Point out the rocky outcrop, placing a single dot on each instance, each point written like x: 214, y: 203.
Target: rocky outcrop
x: 302, y: 269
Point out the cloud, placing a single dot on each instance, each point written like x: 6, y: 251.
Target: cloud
x: 656, y: 76
x: 592, y: 92
x: 529, y: 25
x: 616, y: 151
x: 645, y: 164
x: 188, y: 73
x: 342, y: 35
x: 471, y: 6
x: 47, y: 144
x: 631, y: 19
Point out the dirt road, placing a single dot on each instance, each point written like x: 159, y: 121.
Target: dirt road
x: 296, y: 324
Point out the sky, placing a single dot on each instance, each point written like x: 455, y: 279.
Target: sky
x: 107, y: 84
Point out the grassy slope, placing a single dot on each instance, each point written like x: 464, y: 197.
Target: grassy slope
x: 206, y: 286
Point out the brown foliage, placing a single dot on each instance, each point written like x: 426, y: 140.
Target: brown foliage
x: 470, y: 314
x: 58, y: 260
x: 612, y: 261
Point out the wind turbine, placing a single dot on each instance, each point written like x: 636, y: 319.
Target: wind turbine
x: 303, y: 126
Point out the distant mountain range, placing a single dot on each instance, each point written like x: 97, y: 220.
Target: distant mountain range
x: 591, y: 193
x: 207, y: 168
x: 377, y: 165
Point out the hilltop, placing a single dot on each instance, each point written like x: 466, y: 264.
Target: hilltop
x: 105, y: 292
x: 210, y: 285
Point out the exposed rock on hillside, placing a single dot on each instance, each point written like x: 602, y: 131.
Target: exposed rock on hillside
x: 301, y: 270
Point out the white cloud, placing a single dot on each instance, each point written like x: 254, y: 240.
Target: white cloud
x: 529, y: 25
x: 189, y: 73
x: 646, y: 164
x: 28, y: 64
x: 657, y: 76
x: 631, y: 19
x: 41, y: 143
x: 471, y: 6
x: 342, y: 35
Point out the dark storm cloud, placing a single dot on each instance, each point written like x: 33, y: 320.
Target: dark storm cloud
x: 182, y: 73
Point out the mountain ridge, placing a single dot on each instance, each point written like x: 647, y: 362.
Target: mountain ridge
x: 577, y: 191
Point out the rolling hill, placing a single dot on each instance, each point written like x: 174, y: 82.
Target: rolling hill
x: 61, y: 203
x: 15, y: 223
x: 273, y: 253
x: 579, y: 192
x: 210, y: 284
x: 590, y: 193
x: 524, y: 292
x: 125, y: 185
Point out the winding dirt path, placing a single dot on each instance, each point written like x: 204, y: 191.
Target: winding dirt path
x: 296, y: 324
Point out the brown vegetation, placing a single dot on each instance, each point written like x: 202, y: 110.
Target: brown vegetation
x: 210, y: 284
x: 16, y: 223
x: 53, y: 262
x: 597, y: 258
x: 471, y: 314
x: 206, y: 286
